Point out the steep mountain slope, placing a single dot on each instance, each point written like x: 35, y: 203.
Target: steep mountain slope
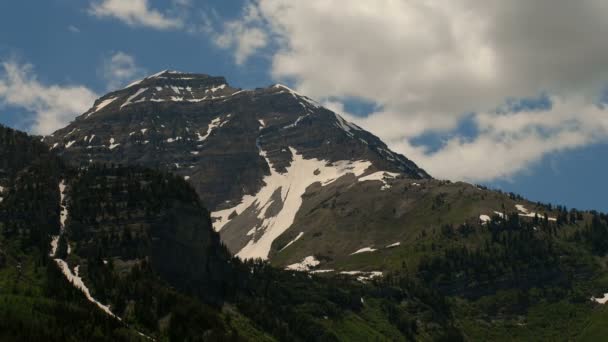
x: 250, y: 152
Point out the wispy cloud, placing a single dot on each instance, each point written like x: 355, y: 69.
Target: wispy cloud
x: 73, y: 29
x: 53, y: 106
x: 135, y: 13
x: 243, y: 35
x: 120, y: 68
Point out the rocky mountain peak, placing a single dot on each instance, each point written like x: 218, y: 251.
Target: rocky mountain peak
x: 164, y: 86
x: 253, y: 153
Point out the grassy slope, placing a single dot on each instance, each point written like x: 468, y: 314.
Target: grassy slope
x: 360, y: 216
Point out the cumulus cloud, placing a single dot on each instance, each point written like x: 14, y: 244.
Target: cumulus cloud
x: 135, y: 13
x: 120, y: 68
x: 429, y: 64
x: 54, y: 106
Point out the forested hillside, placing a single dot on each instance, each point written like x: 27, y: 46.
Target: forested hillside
x: 121, y: 253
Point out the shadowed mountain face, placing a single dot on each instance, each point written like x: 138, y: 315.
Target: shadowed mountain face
x: 244, y: 151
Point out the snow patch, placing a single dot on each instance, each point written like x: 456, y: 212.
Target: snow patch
x: 485, y: 219
x: 305, y: 265
x: 502, y: 215
x: 68, y: 145
x: 364, y: 250
x: 112, y: 144
x: 526, y: 213
x: 601, y: 300
x: 321, y: 271
x: 396, y: 244
x: 292, y: 185
x: 363, y: 276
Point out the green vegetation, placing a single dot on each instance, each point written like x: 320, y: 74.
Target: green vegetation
x: 144, y: 246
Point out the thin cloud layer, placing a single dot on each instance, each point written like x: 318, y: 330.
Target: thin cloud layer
x: 54, y: 106
x: 134, y: 13
x: 120, y: 68
x: 429, y: 64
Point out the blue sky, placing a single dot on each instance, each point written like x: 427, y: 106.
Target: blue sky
x: 549, y: 147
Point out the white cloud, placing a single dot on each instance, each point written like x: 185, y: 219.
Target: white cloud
x: 119, y: 69
x: 73, y: 29
x: 242, y: 35
x: 135, y: 13
x: 54, y: 106
x: 428, y: 64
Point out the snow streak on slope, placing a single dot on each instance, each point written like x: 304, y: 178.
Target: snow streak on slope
x: 76, y: 280
x: 292, y: 241
x: 63, y: 215
x: 101, y: 105
x: 526, y: 213
x: 215, y: 123
x: 291, y: 185
x: 72, y: 277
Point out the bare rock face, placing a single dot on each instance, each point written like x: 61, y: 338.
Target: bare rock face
x: 230, y: 145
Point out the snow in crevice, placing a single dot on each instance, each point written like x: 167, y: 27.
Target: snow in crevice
x: 291, y: 185
x: 292, y: 241
x: 364, y: 250
x: 64, y: 209
x: 72, y: 276
x: 298, y: 120
x: 392, y: 245
x: 69, y: 144
x: 132, y: 97
x: 102, y: 105
x: 63, y: 215
x: 76, y: 280
x: 215, y: 123
x: 346, y: 126
x: 305, y: 265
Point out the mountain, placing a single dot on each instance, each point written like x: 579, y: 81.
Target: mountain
x: 292, y: 183
x: 284, y: 178
x: 118, y: 253
x: 105, y: 231
x: 244, y: 151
